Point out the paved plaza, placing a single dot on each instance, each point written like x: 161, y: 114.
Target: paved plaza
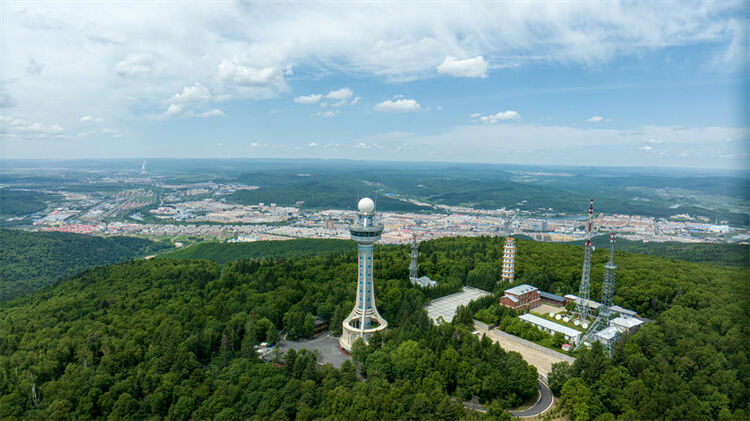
x: 327, y: 346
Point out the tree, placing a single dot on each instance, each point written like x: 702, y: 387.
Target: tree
x: 558, y: 375
x: 576, y: 398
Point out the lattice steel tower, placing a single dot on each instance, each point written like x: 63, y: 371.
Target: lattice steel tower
x: 414, y: 265
x: 364, y: 320
x: 605, y: 310
x: 582, y: 308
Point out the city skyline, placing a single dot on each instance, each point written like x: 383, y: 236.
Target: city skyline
x: 610, y: 84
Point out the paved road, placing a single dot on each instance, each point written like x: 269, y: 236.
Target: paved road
x: 541, y: 406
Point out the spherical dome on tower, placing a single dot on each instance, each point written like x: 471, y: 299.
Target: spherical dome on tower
x: 366, y: 205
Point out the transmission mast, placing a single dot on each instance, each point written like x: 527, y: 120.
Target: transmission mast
x: 605, y: 310
x: 582, y: 307
x: 414, y: 265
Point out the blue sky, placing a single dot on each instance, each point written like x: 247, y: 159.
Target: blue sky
x: 572, y: 83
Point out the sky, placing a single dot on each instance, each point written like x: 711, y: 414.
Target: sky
x: 602, y: 83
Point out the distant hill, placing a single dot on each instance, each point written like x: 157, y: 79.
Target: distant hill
x: 32, y: 260
x: 719, y: 254
x: 222, y: 253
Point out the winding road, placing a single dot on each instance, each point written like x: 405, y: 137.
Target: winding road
x: 541, y: 406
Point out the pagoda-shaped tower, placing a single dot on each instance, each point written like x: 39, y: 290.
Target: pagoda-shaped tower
x: 364, y: 320
x: 509, y: 261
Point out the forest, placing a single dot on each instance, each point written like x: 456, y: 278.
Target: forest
x: 174, y: 339
x: 15, y: 203
x: 33, y: 260
x: 222, y: 253
x: 714, y: 253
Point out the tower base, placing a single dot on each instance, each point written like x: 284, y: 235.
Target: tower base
x: 352, y: 330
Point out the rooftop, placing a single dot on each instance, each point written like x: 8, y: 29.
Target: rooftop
x: 626, y: 322
x: 555, y: 327
x: 520, y: 289
x: 608, y: 333
x: 446, y: 307
x: 551, y: 296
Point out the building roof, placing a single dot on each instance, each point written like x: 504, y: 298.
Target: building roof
x: 512, y: 298
x: 445, y: 307
x: 608, y: 333
x: 549, y: 296
x: 626, y: 322
x: 590, y: 303
x: 425, y: 281
x: 520, y: 289
x: 621, y: 310
x: 555, y: 327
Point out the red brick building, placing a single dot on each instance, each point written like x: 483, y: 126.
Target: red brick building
x: 521, y: 297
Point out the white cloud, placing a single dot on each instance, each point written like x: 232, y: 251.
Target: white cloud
x: 502, y: 115
x: 645, y: 148
x: 312, y: 144
x: 330, y: 113
x: 212, y: 113
x: 473, y: 67
x: 398, y: 105
x: 355, y: 100
x: 474, y: 115
x: 88, y: 118
x: 254, y: 144
x: 174, y: 109
x: 595, y: 119
x: 195, y: 94
x: 340, y: 94
x: 19, y: 128
x: 655, y: 141
x: 136, y: 66
x: 240, y: 71
x: 111, y: 132
x: 308, y: 99
x: 219, y: 144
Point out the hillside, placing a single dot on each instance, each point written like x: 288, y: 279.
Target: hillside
x: 174, y: 338
x: 33, y: 260
x: 223, y: 253
x: 719, y: 254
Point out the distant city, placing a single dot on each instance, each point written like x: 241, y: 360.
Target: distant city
x: 201, y: 210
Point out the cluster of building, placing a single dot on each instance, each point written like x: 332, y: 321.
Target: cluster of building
x: 612, y: 320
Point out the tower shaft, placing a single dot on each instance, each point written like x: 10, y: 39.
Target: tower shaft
x: 414, y: 264
x: 509, y: 261
x: 605, y: 310
x: 364, y: 319
x: 582, y: 307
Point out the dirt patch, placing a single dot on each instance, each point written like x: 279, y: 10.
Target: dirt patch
x: 547, y: 309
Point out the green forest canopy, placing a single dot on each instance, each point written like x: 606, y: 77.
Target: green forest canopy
x: 171, y: 338
x: 33, y: 260
x: 222, y: 253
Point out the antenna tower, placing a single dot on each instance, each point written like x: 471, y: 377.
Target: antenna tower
x: 605, y: 310
x: 582, y: 308
x: 414, y: 265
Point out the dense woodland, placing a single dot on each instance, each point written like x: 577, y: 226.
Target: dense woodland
x: 32, y: 260
x: 223, y: 253
x: 173, y: 339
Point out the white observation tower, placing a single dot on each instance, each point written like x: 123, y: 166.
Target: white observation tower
x: 364, y: 320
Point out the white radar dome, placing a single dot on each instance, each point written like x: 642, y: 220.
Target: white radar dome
x: 366, y: 205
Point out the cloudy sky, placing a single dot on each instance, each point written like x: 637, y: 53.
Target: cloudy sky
x: 575, y: 83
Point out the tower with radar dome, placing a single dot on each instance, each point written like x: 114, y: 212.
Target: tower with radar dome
x: 364, y: 320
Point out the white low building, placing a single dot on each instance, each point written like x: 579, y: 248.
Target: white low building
x: 551, y: 327
x: 626, y: 324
